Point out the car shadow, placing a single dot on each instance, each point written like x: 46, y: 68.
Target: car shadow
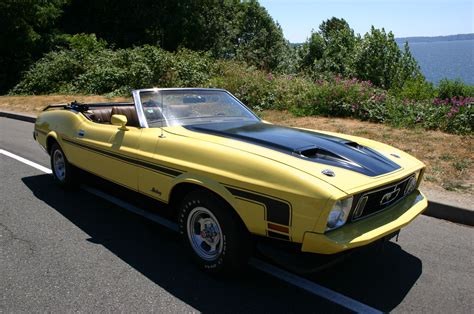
x: 379, y: 279
x: 380, y: 275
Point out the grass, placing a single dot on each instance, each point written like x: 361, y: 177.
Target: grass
x: 448, y: 157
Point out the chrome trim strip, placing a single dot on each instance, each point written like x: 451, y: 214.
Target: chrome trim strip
x: 238, y: 100
x: 156, y: 89
x: 139, y: 108
x: 359, y: 208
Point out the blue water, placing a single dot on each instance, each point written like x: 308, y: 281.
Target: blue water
x: 450, y: 59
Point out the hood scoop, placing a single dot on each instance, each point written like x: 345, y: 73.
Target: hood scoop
x: 308, y: 145
x: 354, y: 144
x: 320, y: 154
x: 317, y: 152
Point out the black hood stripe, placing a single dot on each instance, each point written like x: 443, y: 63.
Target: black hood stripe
x: 308, y: 145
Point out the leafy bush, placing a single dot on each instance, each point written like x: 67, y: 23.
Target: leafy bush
x: 415, y: 89
x: 89, y: 67
x: 92, y: 68
x: 413, y: 106
x: 448, y: 89
x: 336, y: 97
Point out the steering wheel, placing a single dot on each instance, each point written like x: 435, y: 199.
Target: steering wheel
x: 151, y: 103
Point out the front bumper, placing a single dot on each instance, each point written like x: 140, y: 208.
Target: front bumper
x: 367, y: 230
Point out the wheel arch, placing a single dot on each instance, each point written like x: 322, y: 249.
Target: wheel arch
x: 184, y: 187
x: 51, y: 138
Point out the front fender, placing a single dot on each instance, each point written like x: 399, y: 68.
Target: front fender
x: 206, y: 183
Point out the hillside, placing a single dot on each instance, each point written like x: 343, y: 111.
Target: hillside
x: 420, y: 39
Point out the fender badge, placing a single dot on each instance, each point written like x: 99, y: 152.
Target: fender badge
x: 328, y: 172
x: 155, y: 190
x: 395, y: 155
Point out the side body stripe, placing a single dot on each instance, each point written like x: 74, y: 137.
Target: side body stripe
x: 140, y: 163
x: 277, y: 211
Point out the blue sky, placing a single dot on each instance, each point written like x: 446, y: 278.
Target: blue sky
x: 403, y: 17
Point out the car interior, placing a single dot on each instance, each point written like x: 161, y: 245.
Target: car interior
x: 104, y: 114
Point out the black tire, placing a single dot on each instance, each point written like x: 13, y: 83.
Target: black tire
x: 235, y: 243
x: 65, y: 176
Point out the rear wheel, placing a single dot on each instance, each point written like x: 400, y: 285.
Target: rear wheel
x: 63, y: 172
x: 213, y: 234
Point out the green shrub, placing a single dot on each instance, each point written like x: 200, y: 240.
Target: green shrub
x: 257, y: 89
x: 415, y: 89
x: 54, y: 73
x: 448, y: 89
x: 92, y: 68
x: 89, y: 67
x: 335, y: 97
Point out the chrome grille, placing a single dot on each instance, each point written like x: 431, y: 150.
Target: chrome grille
x: 376, y: 200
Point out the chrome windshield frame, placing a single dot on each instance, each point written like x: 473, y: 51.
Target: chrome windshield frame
x: 139, y: 108
x: 141, y: 114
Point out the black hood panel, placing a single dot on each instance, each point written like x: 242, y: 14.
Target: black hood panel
x: 309, y: 145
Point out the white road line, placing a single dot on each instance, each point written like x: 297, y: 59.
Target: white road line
x: 274, y: 271
x: 25, y: 161
x: 312, y: 287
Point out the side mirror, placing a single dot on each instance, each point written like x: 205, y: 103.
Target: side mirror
x: 119, y: 119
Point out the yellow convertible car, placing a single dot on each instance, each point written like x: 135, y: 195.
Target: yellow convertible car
x: 231, y: 176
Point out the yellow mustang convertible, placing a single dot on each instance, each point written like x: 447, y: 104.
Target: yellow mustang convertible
x: 230, y: 175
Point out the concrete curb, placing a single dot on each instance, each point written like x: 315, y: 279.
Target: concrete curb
x: 17, y: 116
x: 435, y: 209
x: 451, y: 213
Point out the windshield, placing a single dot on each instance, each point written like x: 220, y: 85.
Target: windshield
x: 186, y: 107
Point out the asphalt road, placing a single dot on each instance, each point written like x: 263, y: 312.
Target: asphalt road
x: 72, y: 251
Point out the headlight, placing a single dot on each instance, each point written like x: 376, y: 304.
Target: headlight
x: 339, y: 213
x: 412, y: 183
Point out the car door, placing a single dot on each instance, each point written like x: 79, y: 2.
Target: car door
x: 156, y: 175
x: 109, y: 152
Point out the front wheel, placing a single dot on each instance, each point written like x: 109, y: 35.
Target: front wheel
x: 63, y: 172
x: 213, y: 233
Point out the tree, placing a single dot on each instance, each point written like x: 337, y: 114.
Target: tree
x: 227, y: 28
x: 28, y: 30
x: 331, y: 49
x: 121, y: 23
x: 409, y: 68
x: 379, y: 59
x: 260, y: 40
x: 311, y: 51
x: 340, y: 42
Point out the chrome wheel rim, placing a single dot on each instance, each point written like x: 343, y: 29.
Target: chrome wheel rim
x: 205, y: 234
x: 59, y: 165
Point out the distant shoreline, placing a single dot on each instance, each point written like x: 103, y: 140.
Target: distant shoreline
x: 427, y: 39
x: 423, y: 39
